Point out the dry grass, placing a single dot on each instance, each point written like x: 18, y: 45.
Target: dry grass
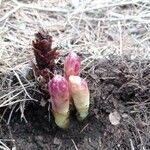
x: 98, y: 27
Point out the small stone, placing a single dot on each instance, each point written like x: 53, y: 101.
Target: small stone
x: 57, y: 141
x: 125, y: 116
x: 114, y: 118
x: 43, y: 102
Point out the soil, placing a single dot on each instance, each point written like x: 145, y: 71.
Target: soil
x: 121, y: 85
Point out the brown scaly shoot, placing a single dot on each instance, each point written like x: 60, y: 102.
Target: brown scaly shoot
x: 44, y: 54
x: 45, y: 60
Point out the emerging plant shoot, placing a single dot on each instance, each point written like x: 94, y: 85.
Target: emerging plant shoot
x: 72, y: 65
x: 81, y: 97
x: 45, y: 57
x: 59, y: 91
